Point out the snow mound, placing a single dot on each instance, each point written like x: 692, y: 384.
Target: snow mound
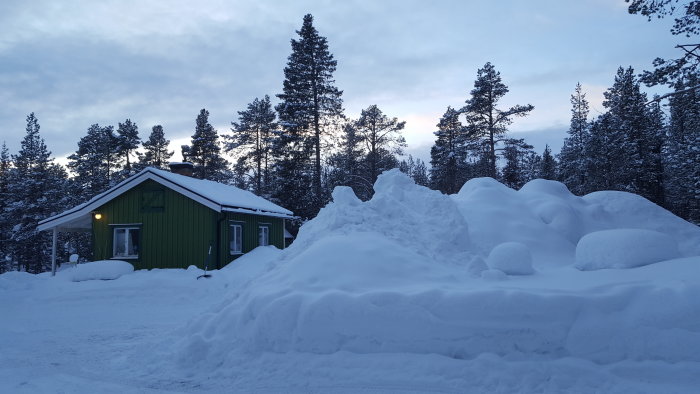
x: 513, y: 258
x: 97, y: 270
x: 624, y: 248
x: 407, y: 272
x: 420, y: 222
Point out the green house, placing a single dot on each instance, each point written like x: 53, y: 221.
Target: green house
x: 162, y: 219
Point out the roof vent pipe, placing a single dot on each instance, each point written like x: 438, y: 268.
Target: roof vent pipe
x: 182, y: 168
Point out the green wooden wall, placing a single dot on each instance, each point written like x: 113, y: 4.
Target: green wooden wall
x: 175, y: 230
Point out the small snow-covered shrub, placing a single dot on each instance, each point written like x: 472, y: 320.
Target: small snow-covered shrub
x: 623, y: 248
x: 513, y: 258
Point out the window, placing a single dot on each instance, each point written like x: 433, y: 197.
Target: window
x: 126, y: 242
x: 236, y: 238
x: 152, y: 200
x: 263, y: 235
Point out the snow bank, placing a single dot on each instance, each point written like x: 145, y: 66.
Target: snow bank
x: 97, y: 270
x: 512, y: 258
x: 624, y: 248
x: 406, y: 273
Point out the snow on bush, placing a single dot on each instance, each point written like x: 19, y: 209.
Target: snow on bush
x: 97, y: 270
x: 405, y: 272
x: 623, y: 248
x: 513, y: 258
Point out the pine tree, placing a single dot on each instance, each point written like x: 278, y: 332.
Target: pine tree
x: 572, y: 159
x: 309, y: 103
x: 347, y: 164
x: 633, y: 158
x: 205, y: 152
x: 531, y: 166
x: 688, y: 24
x: 252, y: 139
x: 487, y: 120
x: 5, y: 173
x: 548, y: 170
x: 448, y: 156
x: 36, y: 190
x: 682, y: 151
x: 127, y: 142
x: 514, y: 152
x: 602, y: 155
x: 156, y: 153
x: 382, y: 138
x: 95, y: 161
x: 416, y: 169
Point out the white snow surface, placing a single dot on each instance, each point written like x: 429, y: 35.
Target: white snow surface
x: 624, y: 248
x: 390, y: 295
x: 96, y: 270
x: 512, y: 258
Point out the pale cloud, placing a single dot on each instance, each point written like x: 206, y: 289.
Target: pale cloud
x: 76, y: 63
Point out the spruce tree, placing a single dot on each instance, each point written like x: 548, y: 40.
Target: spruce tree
x: 487, y: 120
x: 514, y: 172
x: 681, y: 151
x: 95, y: 161
x: 127, y: 140
x: 382, y: 139
x: 448, y: 156
x: 5, y: 169
x: 347, y: 164
x: 572, y: 159
x: 310, y: 102
x: 205, y: 152
x: 156, y: 153
x: 633, y: 136
x: 36, y: 190
x: 416, y: 169
x: 548, y: 170
x: 252, y: 139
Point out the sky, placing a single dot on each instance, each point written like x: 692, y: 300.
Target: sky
x: 76, y: 63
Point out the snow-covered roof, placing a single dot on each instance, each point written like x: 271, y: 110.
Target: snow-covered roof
x: 217, y: 196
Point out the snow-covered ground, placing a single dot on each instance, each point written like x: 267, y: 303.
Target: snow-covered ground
x: 490, y: 290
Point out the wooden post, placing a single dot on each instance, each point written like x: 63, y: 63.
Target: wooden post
x: 53, y: 251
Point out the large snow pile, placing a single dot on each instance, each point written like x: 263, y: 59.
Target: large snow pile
x: 407, y: 272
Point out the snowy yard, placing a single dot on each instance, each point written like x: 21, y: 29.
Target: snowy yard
x: 490, y: 290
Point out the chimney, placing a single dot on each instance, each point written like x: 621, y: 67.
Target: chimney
x: 183, y: 168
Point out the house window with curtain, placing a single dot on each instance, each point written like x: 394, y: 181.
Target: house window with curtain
x: 126, y: 242
x: 264, y: 235
x: 236, y: 238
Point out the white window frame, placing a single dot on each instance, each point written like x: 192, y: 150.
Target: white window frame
x: 126, y: 242
x: 266, y: 234
x: 232, y: 237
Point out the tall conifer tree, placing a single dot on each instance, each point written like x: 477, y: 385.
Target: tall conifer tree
x: 309, y: 103
x: 37, y: 189
x: 489, y: 121
x: 382, y: 138
x: 156, y: 153
x: 252, y: 139
x: 572, y: 159
x: 205, y: 152
x: 448, y: 156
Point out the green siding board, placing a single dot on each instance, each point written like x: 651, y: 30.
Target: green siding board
x: 179, y: 234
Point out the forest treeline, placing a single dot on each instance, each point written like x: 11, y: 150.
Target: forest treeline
x: 295, y: 151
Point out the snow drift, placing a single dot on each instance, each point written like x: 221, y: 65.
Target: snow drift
x: 96, y: 270
x: 407, y: 272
